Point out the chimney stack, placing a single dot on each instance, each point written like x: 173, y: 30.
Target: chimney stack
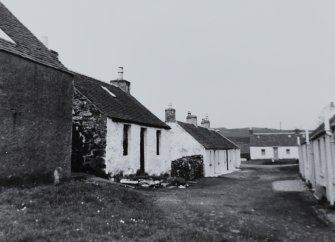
x: 170, y: 114
x: 205, y: 123
x: 191, y: 119
x: 120, y: 82
x: 251, y: 131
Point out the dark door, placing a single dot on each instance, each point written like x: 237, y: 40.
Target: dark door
x: 227, y: 158
x: 142, y: 151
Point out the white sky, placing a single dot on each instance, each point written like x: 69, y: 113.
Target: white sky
x: 244, y: 63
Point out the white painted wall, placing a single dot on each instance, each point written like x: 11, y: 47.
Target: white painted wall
x: 256, y: 153
x: 183, y: 144
x: 317, y: 164
x: 116, y: 161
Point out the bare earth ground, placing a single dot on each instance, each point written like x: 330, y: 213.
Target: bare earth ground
x: 244, y: 207
x: 238, y: 207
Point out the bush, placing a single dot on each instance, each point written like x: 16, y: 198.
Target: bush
x: 188, y: 167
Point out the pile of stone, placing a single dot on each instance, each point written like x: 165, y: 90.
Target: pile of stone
x: 171, y: 182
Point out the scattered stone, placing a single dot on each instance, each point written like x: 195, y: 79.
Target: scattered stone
x: 182, y: 187
x: 128, y: 182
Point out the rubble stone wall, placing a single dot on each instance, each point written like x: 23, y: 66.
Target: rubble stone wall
x: 89, y: 136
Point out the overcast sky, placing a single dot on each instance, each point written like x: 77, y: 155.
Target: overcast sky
x: 244, y: 63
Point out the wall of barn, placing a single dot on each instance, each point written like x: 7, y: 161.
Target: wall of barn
x: 36, y: 119
x: 116, y: 162
x: 89, y: 136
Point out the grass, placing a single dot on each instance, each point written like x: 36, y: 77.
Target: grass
x: 82, y: 211
x: 76, y: 210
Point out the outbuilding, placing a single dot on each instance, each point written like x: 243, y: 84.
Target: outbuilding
x: 220, y: 155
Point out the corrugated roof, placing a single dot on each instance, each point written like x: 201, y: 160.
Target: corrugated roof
x: 120, y: 107
x: 210, y: 139
x: 26, y: 44
x: 272, y: 140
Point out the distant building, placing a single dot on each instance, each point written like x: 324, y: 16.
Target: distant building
x: 274, y: 146
x: 219, y: 154
x: 113, y: 132
x: 35, y: 105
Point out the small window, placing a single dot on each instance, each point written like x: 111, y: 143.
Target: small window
x: 4, y: 36
x: 108, y: 91
x: 288, y: 151
x: 263, y: 151
x: 158, y: 141
x: 125, y: 139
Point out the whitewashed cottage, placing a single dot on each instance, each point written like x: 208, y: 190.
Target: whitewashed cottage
x: 113, y: 132
x: 274, y: 146
x: 317, y: 163
x: 220, y: 155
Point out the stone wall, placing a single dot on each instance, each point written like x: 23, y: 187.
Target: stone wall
x: 89, y: 136
x: 35, y: 119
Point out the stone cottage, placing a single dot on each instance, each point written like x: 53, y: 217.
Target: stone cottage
x: 35, y: 105
x: 219, y: 154
x: 113, y: 132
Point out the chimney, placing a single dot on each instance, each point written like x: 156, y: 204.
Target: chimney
x: 205, y: 123
x: 251, y: 131
x: 120, y: 82
x: 191, y: 119
x: 170, y: 114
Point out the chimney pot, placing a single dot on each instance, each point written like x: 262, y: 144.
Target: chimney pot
x: 120, y: 82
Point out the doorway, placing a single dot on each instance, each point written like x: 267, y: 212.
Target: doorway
x: 227, y: 159
x: 142, y: 150
x: 275, y: 153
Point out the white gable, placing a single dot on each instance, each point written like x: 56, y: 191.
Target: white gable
x: 4, y: 36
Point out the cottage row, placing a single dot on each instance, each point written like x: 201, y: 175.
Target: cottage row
x: 317, y: 162
x: 53, y: 118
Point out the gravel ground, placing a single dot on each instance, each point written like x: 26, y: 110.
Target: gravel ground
x: 244, y: 207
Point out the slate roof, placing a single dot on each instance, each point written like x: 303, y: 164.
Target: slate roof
x: 210, y: 139
x: 124, y: 107
x: 273, y: 140
x: 26, y: 44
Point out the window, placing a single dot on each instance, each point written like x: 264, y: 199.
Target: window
x: 263, y: 151
x: 108, y: 91
x: 125, y: 139
x: 4, y: 36
x: 158, y: 141
x: 288, y: 151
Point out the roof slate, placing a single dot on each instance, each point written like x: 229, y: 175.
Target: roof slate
x: 210, y: 139
x: 124, y: 107
x: 26, y: 44
x: 272, y: 140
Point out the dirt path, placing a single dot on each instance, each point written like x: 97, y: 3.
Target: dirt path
x: 244, y: 207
